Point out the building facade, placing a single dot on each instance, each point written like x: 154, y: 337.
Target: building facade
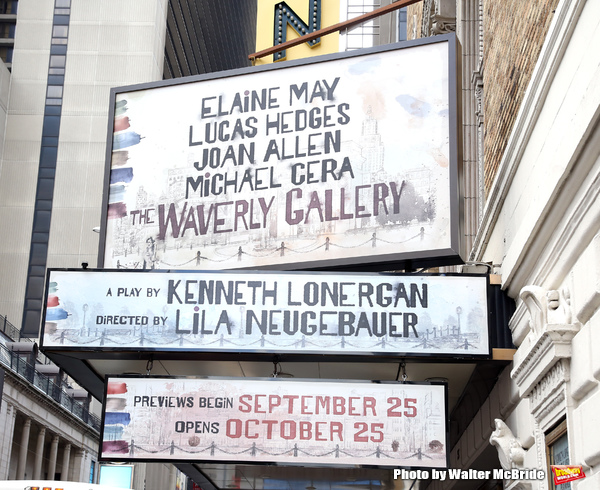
x: 65, y: 59
x: 60, y: 60
x: 531, y: 156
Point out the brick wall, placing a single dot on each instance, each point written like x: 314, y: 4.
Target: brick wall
x: 514, y: 31
x: 414, y: 17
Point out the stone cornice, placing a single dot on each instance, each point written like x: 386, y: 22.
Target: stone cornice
x: 519, y: 324
x: 551, y: 346
x: 549, y: 395
x: 439, y: 17
x: 554, y: 402
x: 48, y: 404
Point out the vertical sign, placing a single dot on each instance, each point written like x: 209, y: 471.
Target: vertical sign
x: 286, y: 16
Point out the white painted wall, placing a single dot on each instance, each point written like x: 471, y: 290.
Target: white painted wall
x: 542, y: 223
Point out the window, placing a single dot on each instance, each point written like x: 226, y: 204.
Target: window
x: 59, y: 34
x: 57, y: 61
x: 60, y: 31
x: 51, y: 126
x: 92, y: 471
x: 7, y: 30
x: 54, y: 95
x: 55, y: 91
x: 377, y: 31
x: 8, y: 7
x: 402, y: 23
x: 557, y: 452
x: 364, y: 35
x: 6, y: 54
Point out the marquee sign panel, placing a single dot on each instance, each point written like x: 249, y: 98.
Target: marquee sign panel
x: 274, y: 421
x: 347, y: 160
x: 269, y: 312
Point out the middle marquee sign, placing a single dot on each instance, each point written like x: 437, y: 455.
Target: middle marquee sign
x: 266, y: 312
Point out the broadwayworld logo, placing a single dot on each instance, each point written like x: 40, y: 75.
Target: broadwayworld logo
x: 564, y: 473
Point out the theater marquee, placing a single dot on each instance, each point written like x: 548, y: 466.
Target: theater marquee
x: 274, y: 421
x: 341, y: 160
x: 269, y: 312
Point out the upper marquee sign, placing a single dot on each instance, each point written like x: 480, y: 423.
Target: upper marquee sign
x: 344, y: 161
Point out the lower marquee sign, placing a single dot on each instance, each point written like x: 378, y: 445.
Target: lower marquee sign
x: 303, y: 313
x: 274, y: 421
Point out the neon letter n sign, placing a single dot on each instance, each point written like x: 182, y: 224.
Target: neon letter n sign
x: 285, y: 16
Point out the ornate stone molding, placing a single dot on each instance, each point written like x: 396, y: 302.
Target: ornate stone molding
x: 477, y: 83
x: 549, y: 331
x: 548, y: 397
x: 530, y: 367
x: 439, y: 17
x: 480, y: 33
x: 510, y: 453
